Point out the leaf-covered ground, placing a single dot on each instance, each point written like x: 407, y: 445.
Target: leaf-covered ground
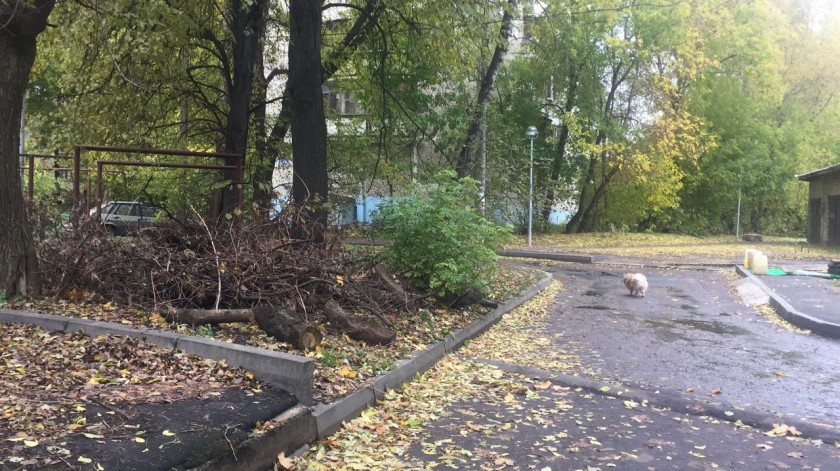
x: 49, y: 382
x: 381, y: 437
x: 342, y: 364
x: 467, y: 414
x: 678, y: 246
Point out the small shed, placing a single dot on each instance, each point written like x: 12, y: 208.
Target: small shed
x: 823, y: 205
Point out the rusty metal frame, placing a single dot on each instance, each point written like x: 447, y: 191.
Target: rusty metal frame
x: 30, y: 187
x: 238, y: 169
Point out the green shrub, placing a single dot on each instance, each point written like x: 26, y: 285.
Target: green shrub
x: 437, y: 239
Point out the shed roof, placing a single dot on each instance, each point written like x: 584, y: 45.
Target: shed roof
x: 819, y: 173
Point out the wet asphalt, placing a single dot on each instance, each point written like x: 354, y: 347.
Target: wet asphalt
x: 691, y: 334
x: 689, y: 341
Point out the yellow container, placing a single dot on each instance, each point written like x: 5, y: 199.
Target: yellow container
x: 759, y: 264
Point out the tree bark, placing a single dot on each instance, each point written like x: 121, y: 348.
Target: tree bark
x: 21, y: 23
x: 466, y: 159
x: 287, y: 328
x: 355, y: 37
x: 560, y: 150
x: 356, y: 330
x: 309, y: 128
x: 208, y: 316
x: 247, y: 25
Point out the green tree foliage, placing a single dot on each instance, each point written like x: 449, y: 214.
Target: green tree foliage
x: 437, y: 239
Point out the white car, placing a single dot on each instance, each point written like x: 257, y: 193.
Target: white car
x: 122, y: 217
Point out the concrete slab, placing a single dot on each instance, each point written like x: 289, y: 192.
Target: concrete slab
x: 560, y: 257
x: 44, y: 321
x: 751, y: 293
x: 330, y: 417
x: 289, y: 372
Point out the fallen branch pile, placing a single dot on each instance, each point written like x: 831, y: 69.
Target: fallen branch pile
x: 251, y: 271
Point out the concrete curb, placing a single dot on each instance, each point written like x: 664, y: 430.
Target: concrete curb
x: 560, y: 257
x: 287, y: 372
x: 296, y: 428
x: 675, y: 401
x: 790, y: 314
x: 330, y: 417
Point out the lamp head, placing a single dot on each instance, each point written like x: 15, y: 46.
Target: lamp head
x: 531, y: 132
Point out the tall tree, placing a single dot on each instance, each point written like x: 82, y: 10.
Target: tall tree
x: 20, y: 24
x: 467, y: 157
x: 309, y: 129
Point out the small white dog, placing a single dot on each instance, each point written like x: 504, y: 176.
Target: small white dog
x: 636, y: 283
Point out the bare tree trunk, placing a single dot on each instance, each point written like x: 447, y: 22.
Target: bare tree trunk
x: 309, y: 128
x: 22, y: 23
x: 466, y: 160
x: 560, y: 150
x: 247, y: 24
x: 356, y: 36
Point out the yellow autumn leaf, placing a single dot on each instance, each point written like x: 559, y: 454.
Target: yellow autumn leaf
x: 167, y: 433
x: 30, y: 443
x: 249, y: 375
x: 284, y: 462
x: 139, y: 439
x: 83, y: 459
x: 346, y: 372
x: 108, y: 305
x: 157, y: 318
x: 510, y: 398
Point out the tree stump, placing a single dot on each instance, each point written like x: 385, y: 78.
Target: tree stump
x: 287, y: 328
x: 355, y: 329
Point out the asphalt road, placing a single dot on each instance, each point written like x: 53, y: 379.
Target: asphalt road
x: 687, y: 363
x: 690, y: 335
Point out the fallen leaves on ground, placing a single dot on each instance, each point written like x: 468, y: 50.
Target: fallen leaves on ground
x: 521, y: 335
x: 770, y: 315
x: 49, y: 380
x: 679, y: 246
x: 381, y: 436
x: 342, y: 365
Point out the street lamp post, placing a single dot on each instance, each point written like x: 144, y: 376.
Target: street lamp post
x: 531, y: 133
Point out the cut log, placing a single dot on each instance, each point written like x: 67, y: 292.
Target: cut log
x: 285, y: 327
x: 355, y: 328
x: 385, y: 276
x: 208, y: 316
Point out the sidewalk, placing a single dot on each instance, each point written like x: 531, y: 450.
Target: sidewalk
x: 509, y: 400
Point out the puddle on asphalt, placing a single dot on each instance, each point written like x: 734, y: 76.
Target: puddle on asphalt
x: 597, y: 308
x: 677, y: 292
x: 793, y: 358
x: 593, y: 292
x: 715, y: 327
x: 833, y: 379
x: 664, y: 331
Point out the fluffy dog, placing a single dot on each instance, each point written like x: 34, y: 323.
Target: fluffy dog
x: 636, y: 283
